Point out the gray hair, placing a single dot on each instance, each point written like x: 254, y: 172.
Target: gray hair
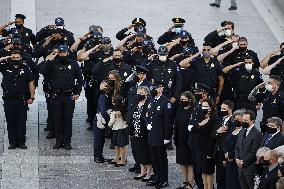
x: 145, y: 88
x: 276, y: 120
x: 261, y: 151
x: 238, y: 112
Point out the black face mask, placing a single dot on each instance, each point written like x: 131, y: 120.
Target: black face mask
x: 19, y: 26
x: 183, y: 43
x: 136, y: 78
x: 111, y: 83
x: 140, y: 97
x: 224, y: 113
x: 245, y: 125
x: 16, y: 62
x: 198, y: 97
x: 62, y: 59
x: 184, y: 103
x: 154, y: 93
x: 243, y: 49
x: 265, y: 163
x: 271, y: 130
x: 237, y: 123
x: 204, y: 112
x: 117, y: 60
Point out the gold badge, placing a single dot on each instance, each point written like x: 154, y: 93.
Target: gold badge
x: 212, y: 65
x: 159, y: 108
x: 252, y: 77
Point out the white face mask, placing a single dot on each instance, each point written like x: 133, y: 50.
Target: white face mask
x: 178, y: 30
x: 163, y: 58
x: 268, y: 87
x: 228, y: 32
x: 248, y: 67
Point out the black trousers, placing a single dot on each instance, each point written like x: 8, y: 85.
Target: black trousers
x: 99, y: 142
x: 50, y: 121
x: 197, y: 169
x: 92, y: 102
x: 220, y: 170
x: 159, y: 163
x: 62, y: 111
x: 136, y: 165
x: 16, y: 118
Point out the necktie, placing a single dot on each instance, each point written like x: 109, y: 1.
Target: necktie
x: 267, y: 139
x: 245, y: 133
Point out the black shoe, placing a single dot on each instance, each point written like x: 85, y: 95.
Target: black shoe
x: 12, y: 146
x: 50, y: 135
x: 111, y: 146
x: 90, y: 128
x: 99, y: 160
x: 233, y: 8
x: 57, y: 146
x: 139, y: 178
x: 68, y: 147
x: 214, y: 5
x: 22, y: 146
x: 151, y: 183
x: 163, y: 185
x: 146, y: 180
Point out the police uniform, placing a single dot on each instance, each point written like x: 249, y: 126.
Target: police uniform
x: 169, y: 36
x: 160, y: 119
x: 26, y: 34
x: 178, y: 49
x: 238, y: 56
x: 207, y: 73
x: 136, y: 22
x: 243, y: 83
x: 167, y: 72
x: 16, y: 92
x: 66, y: 81
x: 273, y: 106
x: 46, y: 32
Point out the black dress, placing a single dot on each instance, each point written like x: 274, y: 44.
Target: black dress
x: 205, y: 145
x: 181, y: 136
x: 138, y: 130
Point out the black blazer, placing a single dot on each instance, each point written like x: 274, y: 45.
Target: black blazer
x: 246, y: 148
x: 274, y: 142
x: 269, y: 179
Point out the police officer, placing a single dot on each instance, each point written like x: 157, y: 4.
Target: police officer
x: 208, y: 71
x: 136, y: 22
x: 160, y: 125
x: 26, y: 34
x: 244, y: 78
x: 66, y: 85
x: 184, y: 41
x: 166, y: 71
x: 58, y: 24
x: 173, y: 32
x: 272, y: 99
x: 18, y: 92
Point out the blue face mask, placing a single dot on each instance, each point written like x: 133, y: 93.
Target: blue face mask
x: 178, y: 30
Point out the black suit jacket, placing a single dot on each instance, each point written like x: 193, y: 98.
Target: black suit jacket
x: 246, y: 148
x: 274, y: 142
x: 269, y: 179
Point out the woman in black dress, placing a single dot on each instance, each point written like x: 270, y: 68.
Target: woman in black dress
x: 232, y: 180
x: 181, y: 136
x: 203, y: 127
x: 139, y: 133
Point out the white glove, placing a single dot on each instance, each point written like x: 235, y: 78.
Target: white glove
x: 167, y: 141
x: 189, y: 127
x: 149, y: 127
x: 130, y: 78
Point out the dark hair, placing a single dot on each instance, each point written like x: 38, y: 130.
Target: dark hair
x: 16, y: 52
x: 243, y: 39
x: 281, y: 44
x: 275, y: 77
x: 251, y: 114
x: 229, y: 103
x: 248, y: 57
x: 212, y: 106
x: 119, y: 104
x: 190, y: 96
x: 207, y: 44
x: 230, y: 23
